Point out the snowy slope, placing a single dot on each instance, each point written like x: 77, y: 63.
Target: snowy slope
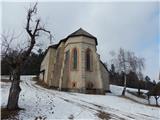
x: 52, y: 104
x: 117, y: 90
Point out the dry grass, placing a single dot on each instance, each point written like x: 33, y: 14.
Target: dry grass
x: 136, y: 94
x: 139, y: 102
x: 71, y: 117
x: 103, y: 115
x: 43, y: 84
x: 35, y: 78
x: 40, y: 118
x: 9, y: 114
x: 6, y: 80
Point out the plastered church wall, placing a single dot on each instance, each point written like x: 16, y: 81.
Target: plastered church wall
x: 60, y: 74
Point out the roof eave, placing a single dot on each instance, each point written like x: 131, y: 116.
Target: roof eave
x: 85, y: 36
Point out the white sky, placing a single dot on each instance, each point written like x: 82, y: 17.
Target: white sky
x: 131, y: 25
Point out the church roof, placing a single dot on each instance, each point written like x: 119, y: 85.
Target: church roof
x: 81, y: 32
x: 54, y: 46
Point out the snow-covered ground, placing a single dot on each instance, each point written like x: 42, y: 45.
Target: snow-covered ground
x: 117, y: 90
x: 51, y: 104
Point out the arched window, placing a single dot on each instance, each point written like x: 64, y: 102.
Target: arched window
x: 88, y: 60
x: 74, y: 59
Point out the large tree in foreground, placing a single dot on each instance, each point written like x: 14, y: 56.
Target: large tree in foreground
x: 33, y: 29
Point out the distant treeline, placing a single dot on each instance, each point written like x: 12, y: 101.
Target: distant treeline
x: 30, y: 67
x: 132, y: 80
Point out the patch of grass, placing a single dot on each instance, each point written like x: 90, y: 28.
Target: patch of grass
x: 43, y: 84
x: 36, y: 78
x: 71, y: 117
x: 6, y: 80
x: 10, y: 114
x: 103, y: 115
x: 40, y: 118
x: 136, y: 94
x: 139, y: 102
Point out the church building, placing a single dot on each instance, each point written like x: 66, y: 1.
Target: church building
x: 74, y: 65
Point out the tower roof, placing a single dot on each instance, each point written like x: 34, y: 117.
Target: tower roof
x: 81, y: 32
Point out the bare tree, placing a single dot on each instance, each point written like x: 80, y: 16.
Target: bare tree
x: 126, y: 61
x: 136, y: 65
x: 154, y: 91
x: 7, y: 52
x: 123, y: 65
x: 34, y: 29
x: 140, y: 67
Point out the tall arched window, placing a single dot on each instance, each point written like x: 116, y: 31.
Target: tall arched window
x: 88, y: 60
x: 74, y: 59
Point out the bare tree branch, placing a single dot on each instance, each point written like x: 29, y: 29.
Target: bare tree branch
x: 36, y: 30
x: 18, y: 56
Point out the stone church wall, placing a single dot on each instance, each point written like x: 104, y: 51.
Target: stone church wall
x: 59, y: 72
x: 45, y: 66
x: 72, y: 78
x: 91, y: 77
x: 79, y: 79
x: 105, y: 77
x: 52, y: 61
x: 58, y: 65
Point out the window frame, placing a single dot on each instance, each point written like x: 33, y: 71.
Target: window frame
x: 74, y: 59
x: 88, y: 60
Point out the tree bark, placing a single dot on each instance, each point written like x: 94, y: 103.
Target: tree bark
x: 139, y: 91
x: 14, y: 90
x: 22, y: 56
x: 10, y: 76
x: 125, y: 83
x: 148, y: 99
x: 156, y: 97
x: 139, y: 87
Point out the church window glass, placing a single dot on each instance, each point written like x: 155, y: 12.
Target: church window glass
x: 75, y: 58
x: 88, y: 60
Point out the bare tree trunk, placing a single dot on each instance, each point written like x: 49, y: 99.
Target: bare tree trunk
x: 139, y: 87
x: 10, y: 76
x: 125, y: 83
x: 22, y: 56
x: 14, y: 90
x: 156, y: 97
x: 139, y: 91
x: 148, y: 99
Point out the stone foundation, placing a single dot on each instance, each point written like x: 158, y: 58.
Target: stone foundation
x: 89, y: 91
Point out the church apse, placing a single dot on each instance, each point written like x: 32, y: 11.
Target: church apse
x: 77, y: 65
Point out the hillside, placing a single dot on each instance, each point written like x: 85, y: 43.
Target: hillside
x: 39, y: 102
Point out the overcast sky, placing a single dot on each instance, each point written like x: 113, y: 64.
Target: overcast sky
x: 130, y: 25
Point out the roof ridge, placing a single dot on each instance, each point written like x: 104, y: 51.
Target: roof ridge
x: 81, y: 31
